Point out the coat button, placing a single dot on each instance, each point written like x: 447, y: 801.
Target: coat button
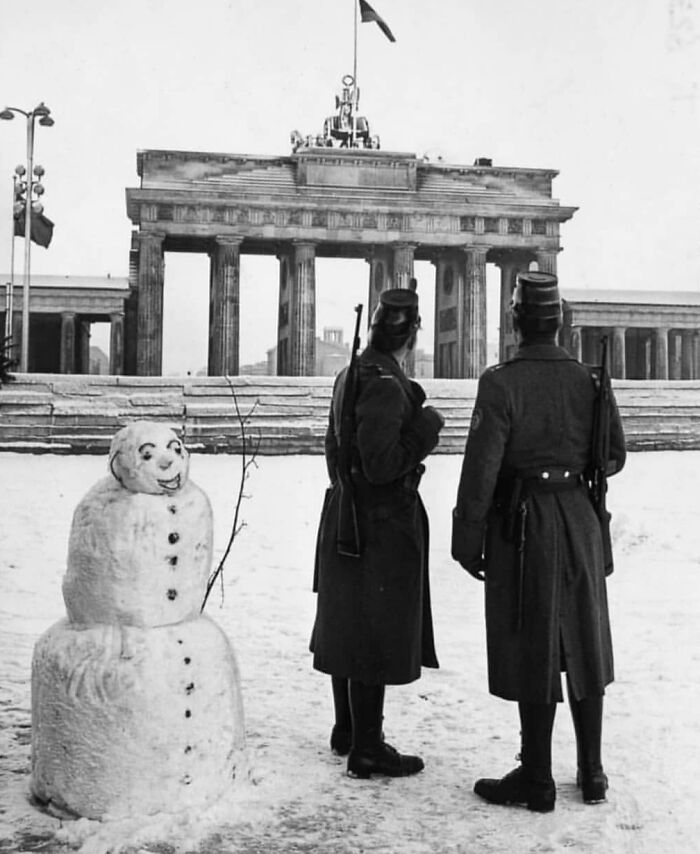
x: 545, y: 475
x: 172, y: 594
x: 173, y: 538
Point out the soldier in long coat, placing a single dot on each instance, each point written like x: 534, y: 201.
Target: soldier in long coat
x: 524, y: 523
x: 373, y: 622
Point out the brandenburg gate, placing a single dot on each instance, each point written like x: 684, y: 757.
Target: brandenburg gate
x: 328, y: 199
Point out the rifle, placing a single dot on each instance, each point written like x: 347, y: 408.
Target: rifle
x: 600, y: 452
x: 348, y: 538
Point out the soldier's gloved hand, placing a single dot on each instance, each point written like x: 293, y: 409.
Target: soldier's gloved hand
x: 438, y: 415
x: 475, y: 569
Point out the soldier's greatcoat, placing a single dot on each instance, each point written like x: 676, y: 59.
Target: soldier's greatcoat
x: 532, y: 414
x: 373, y: 619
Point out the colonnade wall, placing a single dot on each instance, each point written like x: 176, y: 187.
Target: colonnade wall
x: 60, y: 319
x: 79, y: 414
x: 658, y: 340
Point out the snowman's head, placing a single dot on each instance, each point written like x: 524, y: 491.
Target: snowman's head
x: 148, y: 457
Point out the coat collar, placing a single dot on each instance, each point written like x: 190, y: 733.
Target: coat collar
x: 542, y: 352
x: 384, y: 360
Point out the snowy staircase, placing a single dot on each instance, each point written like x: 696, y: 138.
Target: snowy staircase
x: 287, y: 415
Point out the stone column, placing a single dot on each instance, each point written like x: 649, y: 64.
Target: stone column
x: 381, y: 271
x: 302, y: 312
x: 449, y: 319
x: 224, y: 302
x: 661, y: 353
x: 16, y: 336
x: 83, y: 347
x: 618, y: 362
x: 547, y: 260
x: 149, y: 323
x: 473, y: 344
x: 674, y: 355
x: 403, y: 265
x: 116, y: 343
x: 687, y: 372
x: 575, y: 344
x: 285, y: 257
x: 510, y: 264
x: 67, y: 363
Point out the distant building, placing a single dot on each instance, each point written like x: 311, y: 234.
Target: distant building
x: 332, y: 354
x: 653, y: 335
x: 62, y: 309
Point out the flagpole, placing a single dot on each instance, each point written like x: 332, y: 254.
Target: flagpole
x: 354, y: 63
x: 10, y: 287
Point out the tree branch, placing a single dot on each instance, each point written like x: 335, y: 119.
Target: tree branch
x: 246, y: 462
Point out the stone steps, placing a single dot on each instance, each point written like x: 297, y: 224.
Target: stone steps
x: 287, y: 415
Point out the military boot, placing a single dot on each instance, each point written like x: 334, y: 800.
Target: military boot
x: 530, y: 784
x: 369, y: 753
x: 341, y: 734
x: 587, y: 715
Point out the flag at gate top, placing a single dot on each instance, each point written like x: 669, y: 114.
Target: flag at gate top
x: 367, y: 13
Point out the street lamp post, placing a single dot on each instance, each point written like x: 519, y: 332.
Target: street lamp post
x: 43, y: 113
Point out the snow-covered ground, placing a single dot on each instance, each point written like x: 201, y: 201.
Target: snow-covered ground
x: 298, y: 798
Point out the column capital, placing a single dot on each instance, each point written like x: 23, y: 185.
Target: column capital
x: 503, y: 258
x: 149, y: 236
x: 476, y: 251
x: 228, y: 239
x: 304, y: 249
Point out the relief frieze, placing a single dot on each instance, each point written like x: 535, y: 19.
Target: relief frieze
x: 369, y: 220
x: 515, y: 226
x: 314, y: 218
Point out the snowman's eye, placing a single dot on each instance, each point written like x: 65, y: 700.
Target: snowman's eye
x: 175, y: 446
x: 146, y: 450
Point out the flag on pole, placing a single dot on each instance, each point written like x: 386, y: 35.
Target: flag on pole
x: 367, y: 13
x: 42, y: 228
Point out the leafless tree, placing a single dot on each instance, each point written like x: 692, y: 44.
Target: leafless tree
x: 248, y: 453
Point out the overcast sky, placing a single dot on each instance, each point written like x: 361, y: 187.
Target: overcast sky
x: 605, y: 91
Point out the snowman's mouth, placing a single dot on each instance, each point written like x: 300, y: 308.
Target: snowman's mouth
x: 170, y: 485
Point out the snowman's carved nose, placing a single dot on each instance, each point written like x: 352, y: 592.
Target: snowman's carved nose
x: 164, y: 463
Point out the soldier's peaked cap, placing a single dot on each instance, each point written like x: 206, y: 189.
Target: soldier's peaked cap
x: 536, y: 295
x: 397, y: 307
x: 395, y: 319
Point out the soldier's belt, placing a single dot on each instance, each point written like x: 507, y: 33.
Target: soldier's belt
x: 551, y: 480
x: 519, y: 486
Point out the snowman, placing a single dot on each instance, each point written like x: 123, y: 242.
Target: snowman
x: 136, y: 703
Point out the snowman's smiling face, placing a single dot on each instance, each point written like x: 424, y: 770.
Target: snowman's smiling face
x: 149, y: 457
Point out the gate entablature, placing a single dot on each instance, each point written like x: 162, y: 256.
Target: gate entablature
x: 390, y: 208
